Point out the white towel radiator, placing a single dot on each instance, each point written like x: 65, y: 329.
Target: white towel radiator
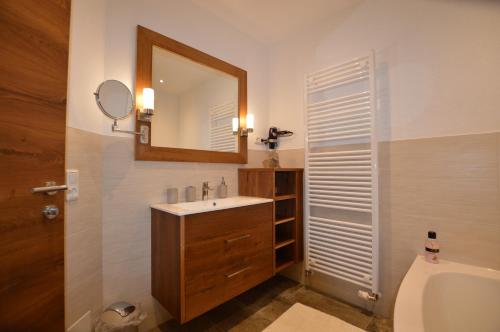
x: 220, y: 127
x: 341, y: 196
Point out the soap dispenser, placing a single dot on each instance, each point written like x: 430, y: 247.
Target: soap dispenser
x: 223, y: 189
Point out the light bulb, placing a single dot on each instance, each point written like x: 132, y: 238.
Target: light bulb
x: 148, y: 99
x: 250, y: 122
x: 236, y: 124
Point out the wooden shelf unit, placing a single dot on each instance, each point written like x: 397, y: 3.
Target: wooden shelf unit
x: 285, y: 187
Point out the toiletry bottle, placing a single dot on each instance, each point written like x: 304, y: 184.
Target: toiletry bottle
x: 223, y: 189
x: 172, y: 195
x: 431, y: 248
x: 190, y: 194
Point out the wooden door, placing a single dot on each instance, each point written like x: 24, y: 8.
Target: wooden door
x: 34, y: 36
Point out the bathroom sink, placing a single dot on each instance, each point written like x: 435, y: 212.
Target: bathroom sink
x: 186, y: 208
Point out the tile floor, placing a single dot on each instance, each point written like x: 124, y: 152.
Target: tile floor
x: 256, y: 309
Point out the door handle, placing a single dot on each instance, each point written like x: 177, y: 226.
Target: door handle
x: 50, y: 188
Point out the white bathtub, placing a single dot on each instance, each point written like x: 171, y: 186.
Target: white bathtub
x: 448, y: 297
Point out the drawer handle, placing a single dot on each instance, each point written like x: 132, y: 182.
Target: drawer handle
x: 242, y: 237
x: 234, y: 274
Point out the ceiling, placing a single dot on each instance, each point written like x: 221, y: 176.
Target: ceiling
x: 270, y: 21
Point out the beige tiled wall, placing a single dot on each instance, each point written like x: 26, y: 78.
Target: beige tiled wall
x: 84, y: 228
x: 448, y: 184
x: 128, y: 188
x: 288, y: 158
x: 107, y: 228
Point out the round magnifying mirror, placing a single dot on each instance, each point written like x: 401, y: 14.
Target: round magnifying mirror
x: 114, y: 99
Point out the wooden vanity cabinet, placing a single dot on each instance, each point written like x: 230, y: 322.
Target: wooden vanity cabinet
x: 202, y: 260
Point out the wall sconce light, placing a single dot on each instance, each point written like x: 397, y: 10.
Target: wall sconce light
x: 148, y: 104
x: 249, y: 121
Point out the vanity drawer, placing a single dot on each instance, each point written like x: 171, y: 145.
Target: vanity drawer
x: 216, y: 253
x: 206, y: 272
x: 227, y: 223
x: 226, y: 253
x: 205, y: 260
x: 248, y: 273
x: 212, y: 288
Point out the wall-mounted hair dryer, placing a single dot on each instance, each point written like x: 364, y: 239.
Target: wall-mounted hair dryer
x: 272, y: 138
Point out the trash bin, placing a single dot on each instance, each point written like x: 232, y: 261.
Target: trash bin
x: 121, y: 317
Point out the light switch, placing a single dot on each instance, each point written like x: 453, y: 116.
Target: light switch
x: 72, y: 176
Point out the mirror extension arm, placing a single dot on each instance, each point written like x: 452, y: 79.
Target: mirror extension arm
x: 143, y: 132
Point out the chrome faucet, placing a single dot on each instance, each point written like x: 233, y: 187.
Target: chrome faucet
x: 205, y: 189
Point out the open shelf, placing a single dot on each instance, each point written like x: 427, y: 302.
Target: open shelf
x: 284, y: 232
x: 284, y: 209
x: 283, y: 265
x: 283, y: 243
x: 284, y: 183
x: 285, y: 197
x: 282, y: 221
x: 284, y: 257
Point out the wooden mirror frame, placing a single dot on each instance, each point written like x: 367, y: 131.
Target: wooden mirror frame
x: 146, y: 39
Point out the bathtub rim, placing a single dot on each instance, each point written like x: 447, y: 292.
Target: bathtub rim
x: 408, y: 313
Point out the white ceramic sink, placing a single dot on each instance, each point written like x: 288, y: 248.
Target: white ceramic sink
x: 182, y: 209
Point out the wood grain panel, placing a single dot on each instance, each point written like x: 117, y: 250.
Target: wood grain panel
x: 166, y: 261
x: 34, y: 53
x: 209, y: 258
x: 285, y: 186
x: 200, y: 261
x: 299, y: 220
x: 221, y: 252
x: 227, y: 252
x: 225, y: 223
x: 146, y: 39
x: 256, y: 268
x: 229, y: 282
x: 256, y: 183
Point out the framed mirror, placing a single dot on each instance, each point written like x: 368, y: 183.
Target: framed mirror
x: 196, y: 97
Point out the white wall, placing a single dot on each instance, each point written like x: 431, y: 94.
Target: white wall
x: 83, y: 222
x: 126, y: 237
x: 424, y: 49
x: 184, y: 21
x: 437, y: 65
x: 438, y: 74
x: 103, y: 46
x: 86, y: 64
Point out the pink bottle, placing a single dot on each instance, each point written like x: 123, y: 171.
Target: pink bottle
x: 431, y: 248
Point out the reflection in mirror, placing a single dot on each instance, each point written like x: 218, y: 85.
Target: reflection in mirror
x: 114, y: 99
x: 194, y: 104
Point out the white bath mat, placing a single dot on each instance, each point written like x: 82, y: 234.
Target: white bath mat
x: 301, y: 318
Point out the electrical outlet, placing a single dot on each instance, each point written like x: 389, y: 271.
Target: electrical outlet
x: 72, y: 179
